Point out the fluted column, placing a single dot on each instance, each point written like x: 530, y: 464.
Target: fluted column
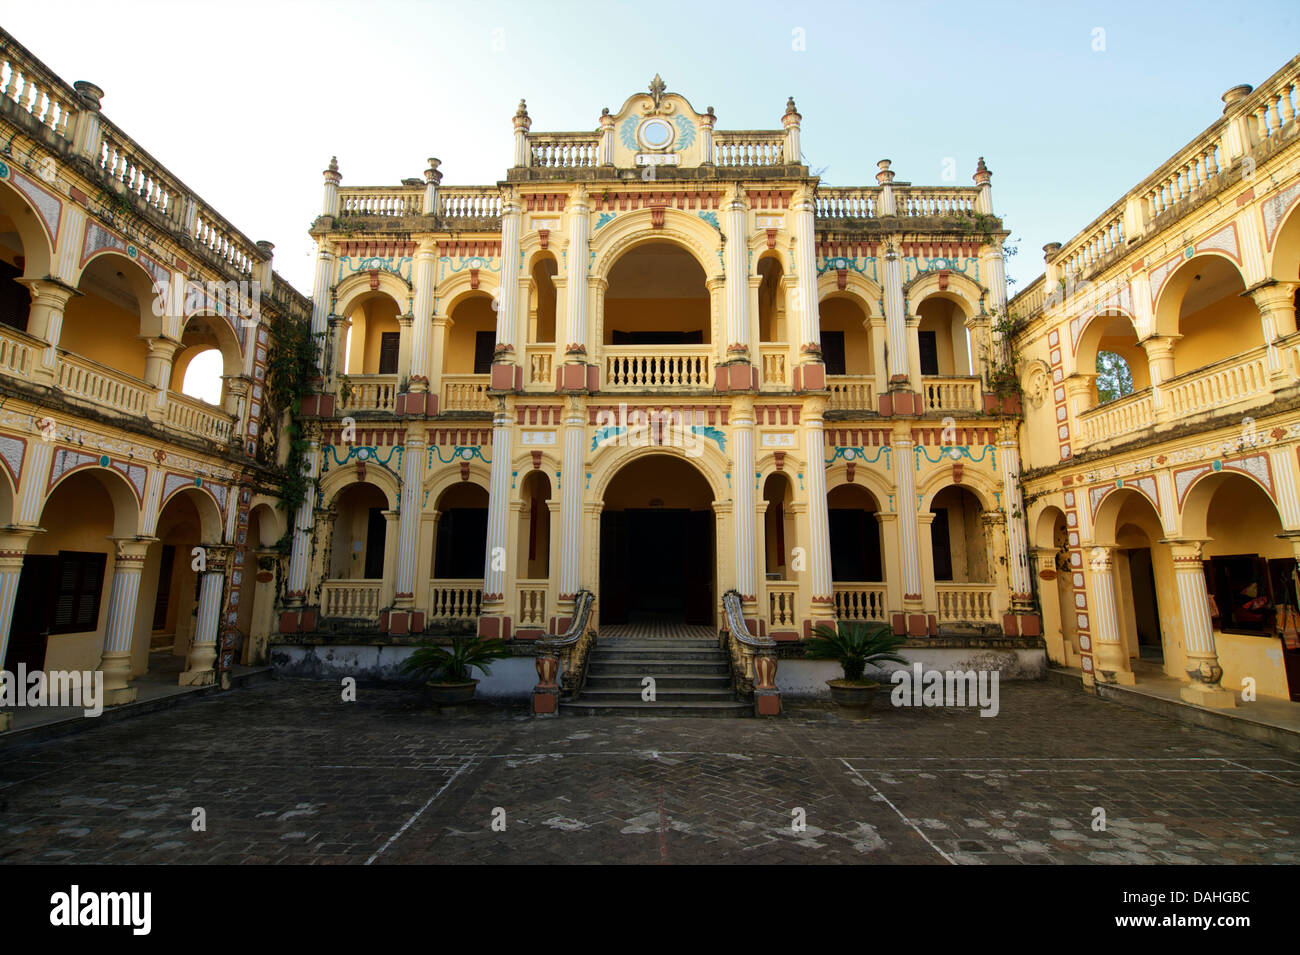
x: 494, y: 572
x: 300, y: 552
x: 45, y: 319
x: 1198, y: 630
x: 1160, y: 368
x: 575, y: 312
x: 904, y: 464
x: 432, y: 179
x: 895, y: 319
x: 997, y: 285
x: 507, y: 303
x: 522, y: 123
x: 805, y: 257
x: 819, y: 533
x: 159, y: 356
x: 408, y: 528
x: 1022, y: 597
x: 320, y: 298
x: 742, y: 484
x: 426, y: 262
x: 14, y: 542
x: 737, y: 268
x: 203, y: 648
x: 1111, y: 660
x: 1277, y: 315
x: 128, y: 563
x: 330, y: 198
x: 571, y: 501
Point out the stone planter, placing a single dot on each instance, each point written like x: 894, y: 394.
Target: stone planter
x: 852, y: 694
x: 450, y: 694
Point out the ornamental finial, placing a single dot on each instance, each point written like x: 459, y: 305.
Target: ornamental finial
x: 657, y: 89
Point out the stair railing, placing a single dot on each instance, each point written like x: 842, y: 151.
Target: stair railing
x: 564, y: 656
x: 753, y: 659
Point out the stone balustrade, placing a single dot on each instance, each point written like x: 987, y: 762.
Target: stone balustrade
x: 351, y: 599
x: 966, y: 603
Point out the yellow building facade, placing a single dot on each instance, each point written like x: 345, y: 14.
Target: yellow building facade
x: 1162, y: 513
x: 139, y: 523
x: 659, y: 362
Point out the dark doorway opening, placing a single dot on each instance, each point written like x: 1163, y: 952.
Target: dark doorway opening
x: 1146, y: 609
x: 656, y: 566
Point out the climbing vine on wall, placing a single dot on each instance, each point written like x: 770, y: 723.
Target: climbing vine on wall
x: 291, y: 364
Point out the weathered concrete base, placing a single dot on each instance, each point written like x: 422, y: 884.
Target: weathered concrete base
x: 1201, y: 694
x: 5, y: 720
x: 804, y: 679
x: 121, y: 696
x: 197, y: 678
x: 511, y: 680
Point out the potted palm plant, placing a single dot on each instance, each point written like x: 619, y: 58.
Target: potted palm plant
x: 445, y: 669
x: 854, y: 644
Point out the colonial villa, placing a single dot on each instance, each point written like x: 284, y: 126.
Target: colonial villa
x: 658, y: 382
x: 1163, y: 504
x: 134, y: 515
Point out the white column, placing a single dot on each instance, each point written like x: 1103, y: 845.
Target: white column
x: 507, y: 309
x: 330, y: 203
x: 1017, y: 543
x: 14, y: 542
x: 742, y: 484
x: 571, y: 481
x: 426, y: 261
x: 819, y: 534
x: 408, y: 528
x: 904, y: 465
x: 575, y: 324
x: 791, y: 153
x: 737, y: 274
x: 522, y: 124
x: 805, y: 259
x: 115, y: 663
x: 320, y: 299
x: 1111, y: 661
x: 606, y: 150
x: 1198, y: 630
x: 203, y: 649
x: 494, y: 580
x: 432, y: 178
x: 997, y: 285
x: 300, y: 554
x: 895, y: 316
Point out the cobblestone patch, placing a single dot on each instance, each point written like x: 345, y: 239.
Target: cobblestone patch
x: 286, y: 772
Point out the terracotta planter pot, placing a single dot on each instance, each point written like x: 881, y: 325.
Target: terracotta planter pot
x: 850, y: 693
x: 449, y: 694
x: 1011, y: 405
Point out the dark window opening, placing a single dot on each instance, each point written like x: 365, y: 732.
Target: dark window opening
x: 855, y: 545
x: 941, y: 544
x: 462, y: 544
x: 390, y: 344
x: 163, y: 599
x: 15, y: 300
x: 484, y: 344
x: 833, y: 353
x: 376, y: 536
x: 929, y: 346
x: 78, y: 586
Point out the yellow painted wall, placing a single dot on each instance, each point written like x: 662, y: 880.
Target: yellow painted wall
x: 1228, y: 327
x: 659, y: 315
x: 542, y: 305
x: 946, y: 320
x: 348, y: 550
x: 468, y: 318
x: 78, y: 517
x: 967, y: 542
x: 101, y: 331
x: 843, y: 315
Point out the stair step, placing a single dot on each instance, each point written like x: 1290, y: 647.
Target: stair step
x: 673, y: 681
x: 658, y: 708
x: 655, y: 668
x: 674, y: 653
x: 667, y: 643
x: 661, y: 695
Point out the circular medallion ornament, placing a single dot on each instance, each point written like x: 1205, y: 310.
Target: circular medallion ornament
x: 655, y: 133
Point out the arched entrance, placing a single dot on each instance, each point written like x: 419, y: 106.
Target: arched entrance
x: 657, y: 544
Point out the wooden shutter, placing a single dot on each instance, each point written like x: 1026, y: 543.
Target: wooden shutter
x: 390, y: 344
x: 79, y: 584
x: 929, y: 348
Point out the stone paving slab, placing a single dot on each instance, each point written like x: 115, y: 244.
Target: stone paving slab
x: 286, y: 772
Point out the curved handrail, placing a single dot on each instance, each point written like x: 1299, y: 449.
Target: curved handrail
x: 736, y: 625
x: 565, y: 655
x: 753, y: 659
x: 582, y: 605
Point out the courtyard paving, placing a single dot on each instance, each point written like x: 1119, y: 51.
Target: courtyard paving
x: 287, y: 772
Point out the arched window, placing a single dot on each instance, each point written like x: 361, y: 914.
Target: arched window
x: 1114, y: 377
x: 657, y: 296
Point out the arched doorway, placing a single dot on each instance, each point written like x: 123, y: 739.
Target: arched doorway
x: 657, y: 544
x: 1054, y: 578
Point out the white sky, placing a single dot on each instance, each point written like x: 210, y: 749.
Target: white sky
x: 246, y: 102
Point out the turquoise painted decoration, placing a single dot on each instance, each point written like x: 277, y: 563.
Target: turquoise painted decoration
x: 711, y: 218
x: 685, y: 132
x: 605, y: 219
x: 462, y: 452
x: 627, y: 133
x: 713, y: 434
x: 604, y: 434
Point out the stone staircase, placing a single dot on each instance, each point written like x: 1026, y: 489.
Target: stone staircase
x: 692, y: 678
